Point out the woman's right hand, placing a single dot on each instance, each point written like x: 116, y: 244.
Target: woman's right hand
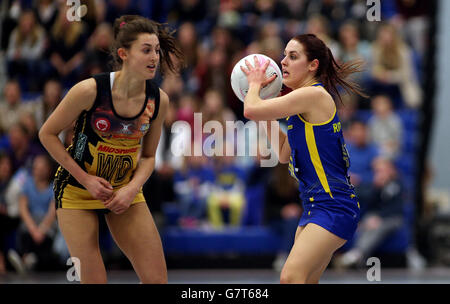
x: 98, y: 187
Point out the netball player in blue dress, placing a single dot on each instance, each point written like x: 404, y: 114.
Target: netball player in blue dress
x: 314, y: 148
x: 118, y: 118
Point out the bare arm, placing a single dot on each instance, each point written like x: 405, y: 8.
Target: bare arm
x: 302, y: 100
x: 80, y: 98
x: 283, y: 150
x: 146, y: 163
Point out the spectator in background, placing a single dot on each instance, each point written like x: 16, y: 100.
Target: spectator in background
x: 181, y: 11
x: 117, y: 8
x: 173, y: 86
x: 188, y: 105
x: 352, y: 48
x: 384, y: 215
x: 67, y: 41
x: 11, y: 10
x: 363, y: 153
x: 282, y: 211
x: 334, y: 11
x: 7, y: 223
x: 385, y: 127
x: 97, y: 57
x: 392, y: 68
x: 46, y: 12
x: 319, y: 26
x: 192, y: 184
x: 226, y: 200
x: 28, y: 120
x: 265, y: 10
x: 21, y: 149
x: 11, y: 106
x: 188, y: 40
x: 216, y: 73
x: 347, y: 112
x: 47, y: 102
x: 92, y: 16
x: 214, y: 108
x: 37, y: 211
x: 25, y: 49
x: 413, y: 21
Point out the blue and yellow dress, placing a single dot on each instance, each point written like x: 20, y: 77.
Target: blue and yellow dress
x: 319, y: 161
x: 105, y: 144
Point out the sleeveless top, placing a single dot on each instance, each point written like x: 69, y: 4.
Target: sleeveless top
x: 319, y: 159
x: 106, y: 144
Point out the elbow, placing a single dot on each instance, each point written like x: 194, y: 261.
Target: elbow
x: 41, y: 136
x: 249, y: 113
x: 283, y: 160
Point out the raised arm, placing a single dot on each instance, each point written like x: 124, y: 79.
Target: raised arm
x: 302, y: 100
x: 299, y: 101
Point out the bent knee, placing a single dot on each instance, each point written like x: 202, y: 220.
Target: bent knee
x: 289, y: 277
x: 155, y: 280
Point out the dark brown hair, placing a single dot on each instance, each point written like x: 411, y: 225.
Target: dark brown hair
x: 330, y: 73
x: 128, y: 27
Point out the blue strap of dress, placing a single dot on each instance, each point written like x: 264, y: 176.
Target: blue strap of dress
x: 317, y: 84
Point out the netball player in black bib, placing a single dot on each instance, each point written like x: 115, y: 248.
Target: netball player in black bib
x: 118, y: 125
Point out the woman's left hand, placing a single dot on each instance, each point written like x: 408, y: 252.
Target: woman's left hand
x: 257, y: 74
x: 121, y: 200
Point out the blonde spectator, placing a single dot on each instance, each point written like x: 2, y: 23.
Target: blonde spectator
x: 25, y: 49
x: 392, y: 64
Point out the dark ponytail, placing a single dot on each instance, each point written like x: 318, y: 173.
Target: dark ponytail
x: 330, y: 73
x: 128, y: 27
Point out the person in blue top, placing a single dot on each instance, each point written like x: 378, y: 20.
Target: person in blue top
x: 314, y: 147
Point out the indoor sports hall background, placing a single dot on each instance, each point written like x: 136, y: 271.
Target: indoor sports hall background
x: 226, y: 217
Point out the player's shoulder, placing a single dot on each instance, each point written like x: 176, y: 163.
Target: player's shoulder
x: 84, y: 92
x: 163, y: 97
x: 87, y: 87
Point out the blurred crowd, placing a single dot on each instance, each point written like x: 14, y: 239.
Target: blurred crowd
x: 43, y: 53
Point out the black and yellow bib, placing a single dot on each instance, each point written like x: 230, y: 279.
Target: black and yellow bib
x: 105, y: 144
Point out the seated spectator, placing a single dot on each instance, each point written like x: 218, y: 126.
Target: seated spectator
x: 12, y: 106
x: 352, y: 48
x: 65, y: 51
x: 362, y: 155
x: 47, y: 102
x: 29, y: 122
x: 117, y: 8
x: 46, y: 12
x: 192, y: 185
x: 214, y: 108
x: 188, y: 40
x: 392, y: 68
x: 384, y: 215
x: 385, y: 127
x: 38, y: 213
x: 8, y: 224
x: 319, y: 26
x: 226, y: 200
x: 25, y: 49
x: 21, y: 149
x: 282, y: 211
x: 98, y: 58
